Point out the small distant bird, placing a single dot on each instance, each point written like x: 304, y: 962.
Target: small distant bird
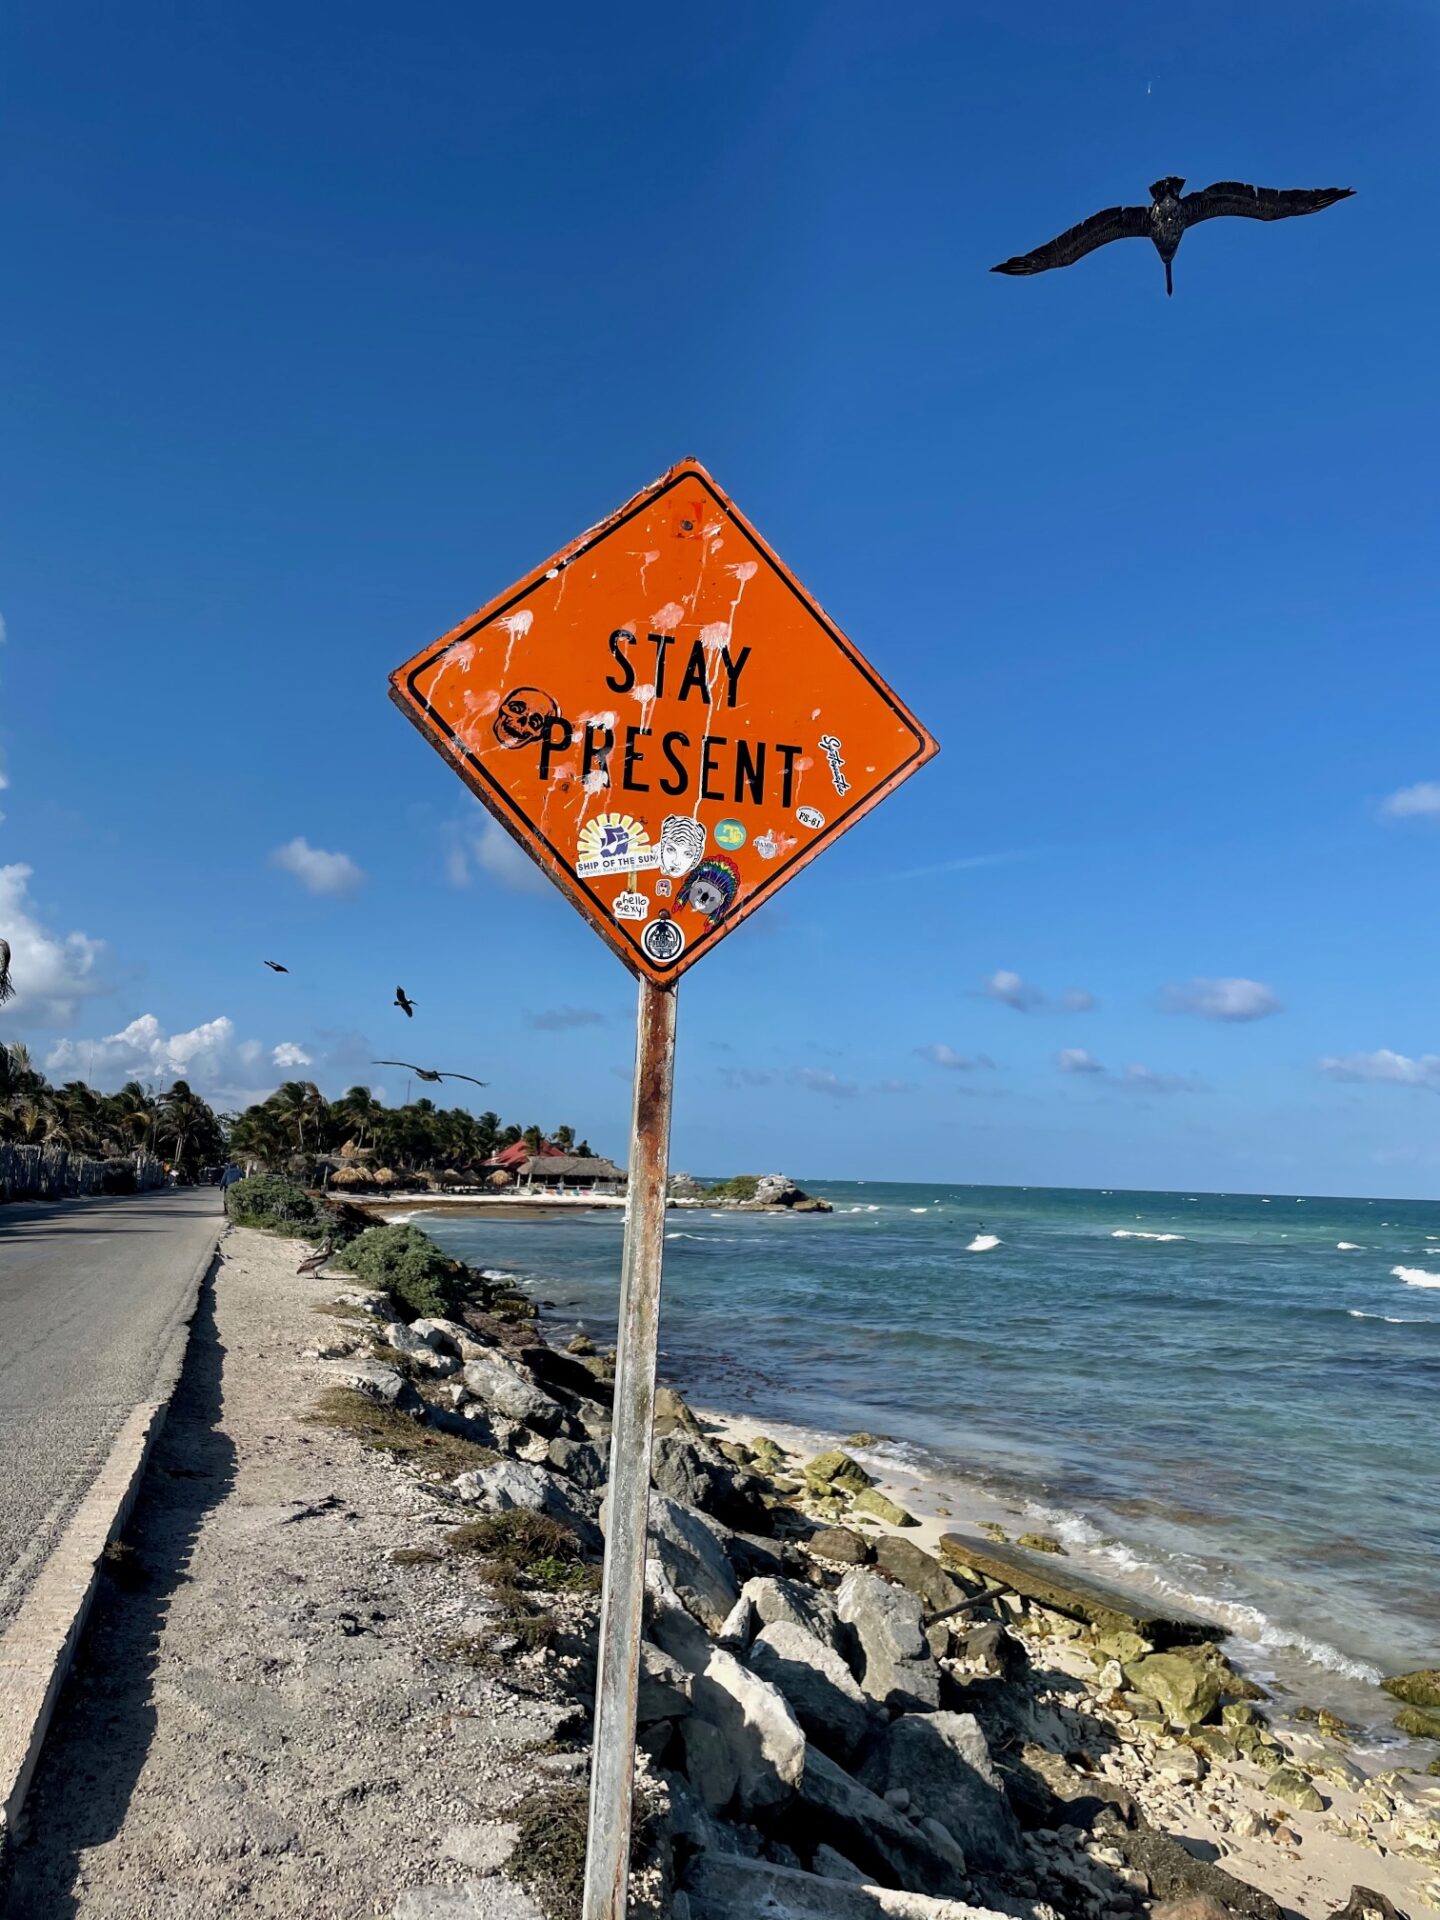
x: 404, y: 1002
x: 7, y: 989
x: 275, y: 966
x: 1164, y: 221
x: 430, y: 1073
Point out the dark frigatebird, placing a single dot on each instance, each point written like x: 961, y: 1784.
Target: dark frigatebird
x: 275, y: 966
x: 430, y: 1073
x: 1170, y: 212
x: 404, y: 1002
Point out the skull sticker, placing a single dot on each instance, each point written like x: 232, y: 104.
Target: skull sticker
x: 524, y: 714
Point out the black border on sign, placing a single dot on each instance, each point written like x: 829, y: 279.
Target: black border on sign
x: 524, y: 829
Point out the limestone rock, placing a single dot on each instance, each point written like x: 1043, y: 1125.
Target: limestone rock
x: 1039, y: 1542
x: 689, y: 1469
x: 1194, y: 1906
x: 1184, y: 1684
x: 1180, y: 1763
x: 502, y: 1387
x: 761, y: 1733
x: 818, y: 1685
x: 894, y: 1666
x: 1420, y: 1722
x: 833, y: 1809
x: 794, y: 1603
x: 1418, y: 1689
x: 672, y: 1411
x: 385, y: 1385
x: 921, y: 1572
x: 1291, y: 1786
x: 664, y: 1692
x: 873, y: 1501
x: 996, y: 1652
x: 515, y: 1483
x: 581, y: 1461
x: 723, y: 1886
x: 942, y: 1761
x: 837, y: 1470
x: 840, y: 1544
x: 694, y: 1561
x: 711, y: 1766
x: 1365, y: 1905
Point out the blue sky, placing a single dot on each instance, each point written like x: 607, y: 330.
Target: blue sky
x: 318, y: 332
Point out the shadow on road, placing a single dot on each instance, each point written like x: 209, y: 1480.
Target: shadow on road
x: 102, y: 1732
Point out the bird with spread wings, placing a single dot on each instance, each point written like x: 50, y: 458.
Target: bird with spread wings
x: 430, y: 1073
x: 1166, y: 219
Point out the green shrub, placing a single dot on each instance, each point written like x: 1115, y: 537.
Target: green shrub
x: 407, y: 1264
x: 741, y: 1187
x: 279, y: 1206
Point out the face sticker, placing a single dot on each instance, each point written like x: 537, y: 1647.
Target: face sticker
x: 664, y: 888
x: 731, y: 835
x: 809, y: 817
x: 662, y: 941
x: 523, y: 716
x: 711, y: 888
x: 613, y: 843
x: 682, y: 841
x: 766, y: 845
x: 632, y: 906
x: 830, y: 747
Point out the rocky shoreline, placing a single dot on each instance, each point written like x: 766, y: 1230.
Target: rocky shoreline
x: 839, y: 1720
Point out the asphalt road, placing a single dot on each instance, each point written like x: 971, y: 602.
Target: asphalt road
x: 91, y: 1292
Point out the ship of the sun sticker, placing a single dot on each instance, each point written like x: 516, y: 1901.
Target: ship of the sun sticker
x: 711, y: 888
x: 614, y: 843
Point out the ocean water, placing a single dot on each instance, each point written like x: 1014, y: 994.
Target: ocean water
x: 1232, y: 1399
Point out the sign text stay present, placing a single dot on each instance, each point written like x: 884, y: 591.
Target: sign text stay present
x: 666, y: 720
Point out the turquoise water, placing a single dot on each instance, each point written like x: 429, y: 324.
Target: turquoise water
x: 1202, y: 1393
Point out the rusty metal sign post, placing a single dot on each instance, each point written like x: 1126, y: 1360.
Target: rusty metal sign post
x: 668, y: 723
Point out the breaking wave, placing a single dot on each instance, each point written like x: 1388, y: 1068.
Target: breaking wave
x: 1416, y: 1276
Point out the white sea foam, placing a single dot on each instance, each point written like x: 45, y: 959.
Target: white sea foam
x: 1128, y: 1233
x: 919, y: 1209
x: 1390, y: 1319
x: 1416, y: 1276
x: 983, y: 1242
x: 1347, y: 1246
x: 499, y: 1273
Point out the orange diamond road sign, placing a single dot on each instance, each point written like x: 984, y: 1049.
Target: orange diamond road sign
x: 666, y: 720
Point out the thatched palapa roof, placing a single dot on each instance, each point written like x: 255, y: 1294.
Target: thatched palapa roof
x: 569, y: 1166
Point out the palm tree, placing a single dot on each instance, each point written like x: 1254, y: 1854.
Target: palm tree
x: 564, y: 1139
x: 356, y: 1113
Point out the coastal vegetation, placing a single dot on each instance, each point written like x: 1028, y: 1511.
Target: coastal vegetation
x: 294, y: 1131
x: 177, y: 1125
x: 406, y: 1263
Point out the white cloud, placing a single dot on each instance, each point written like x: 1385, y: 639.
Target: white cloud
x: 1013, y: 991
x: 1145, y: 1080
x: 822, y: 1080
x: 315, y: 869
x: 484, y: 847
x: 144, y: 1051
x: 941, y: 1055
x: 1397, y: 1069
x: 1420, y: 802
x: 1079, y: 1000
x: 50, y: 972
x: 287, y: 1054
x: 1077, y: 1060
x: 1222, y: 999
x: 1131, y: 1079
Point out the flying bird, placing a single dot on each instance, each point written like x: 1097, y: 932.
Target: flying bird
x: 7, y: 989
x: 275, y: 966
x: 1166, y: 218
x: 430, y: 1073
x: 404, y: 1002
